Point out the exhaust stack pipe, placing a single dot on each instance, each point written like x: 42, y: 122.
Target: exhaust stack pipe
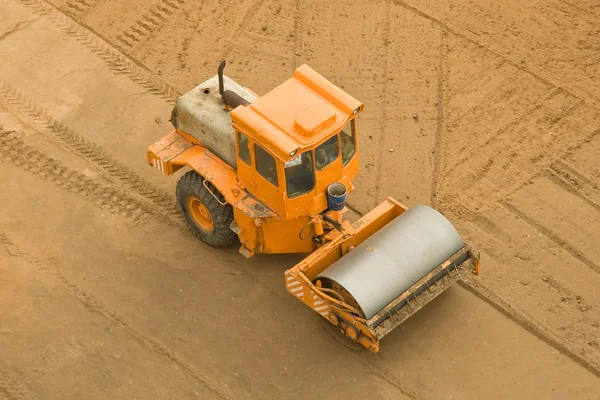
x: 220, y: 73
x: 229, y: 97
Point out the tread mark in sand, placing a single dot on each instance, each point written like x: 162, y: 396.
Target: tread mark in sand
x: 37, y: 6
x: 577, y: 182
x: 32, y: 160
x: 149, y: 22
x: 87, y: 150
x: 94, y: 305
x: 10, y: 388
x: 298, y: 42
x: 439, y: 147
x: 77, y: 8
x: 560, y: 242
x: 519, y: 316
x: 115, y: 60
x: 472, y: 37
x: 485, y: 141
x: 90, y: 151
x: 384, y: 94
x: 247, y: 20
x: 542, y: 166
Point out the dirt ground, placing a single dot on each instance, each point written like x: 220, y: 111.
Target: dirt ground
x: 104, y: 293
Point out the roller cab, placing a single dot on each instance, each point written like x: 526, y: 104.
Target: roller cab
x: 370, y: 276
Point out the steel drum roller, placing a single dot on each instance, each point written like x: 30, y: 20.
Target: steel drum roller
x: 396, y: 257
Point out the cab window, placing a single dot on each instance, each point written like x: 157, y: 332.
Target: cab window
x: 243, y: 149
x: 299, y: 175
x: 326, y: 152
x: 348, y: 142
x: 265, y: 165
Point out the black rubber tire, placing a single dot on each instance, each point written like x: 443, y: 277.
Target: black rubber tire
x: 221, y: 235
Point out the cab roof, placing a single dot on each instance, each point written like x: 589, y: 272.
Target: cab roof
x: 296, y: 115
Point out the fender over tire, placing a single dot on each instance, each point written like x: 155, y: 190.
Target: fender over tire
x: 208, y: 219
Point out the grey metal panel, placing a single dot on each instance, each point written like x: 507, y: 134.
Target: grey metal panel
x: 203, y: 115
x: 395, y: 258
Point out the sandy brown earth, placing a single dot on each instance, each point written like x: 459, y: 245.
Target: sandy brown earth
x: 104, y: 294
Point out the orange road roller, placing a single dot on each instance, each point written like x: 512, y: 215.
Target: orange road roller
x: 274, y: 171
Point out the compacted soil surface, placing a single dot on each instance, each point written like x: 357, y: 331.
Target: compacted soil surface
x: 488, y: 111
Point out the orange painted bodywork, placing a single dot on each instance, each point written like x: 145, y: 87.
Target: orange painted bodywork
x: 296, y: 117
x: 175, y: 151
x: 301, y: 280
x: 298, y: 114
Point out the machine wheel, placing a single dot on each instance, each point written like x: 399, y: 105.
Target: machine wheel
x: 208, y: 219
x: 339, y: 336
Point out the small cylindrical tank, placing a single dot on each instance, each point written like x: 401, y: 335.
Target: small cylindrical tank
x: 336, y: 196
x: 396, y: 257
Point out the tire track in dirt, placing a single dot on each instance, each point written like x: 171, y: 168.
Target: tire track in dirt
x: 464, y: 34
x: 115, y: 60
x: 38, y: 7
x: 389, y: 378
x: 245, y: 48
x: 19, y: 26
x: 584, y: 9
x: 91, y: 303
x: 492, y: 66
x: 384, y: 94
x: 552, y: 236
x: 149, y: 22
x: 543, y: 167
x: 78, y: 8
x: 88, y: 150
x: 438, y: 157
x: 474, y: 145
x: 298, y: 42
x: 13, y: 149
x: 530, y: 324
x: 8, y: 386
x: 164, y: 208
x: 518, y: 179
x: 519, y: 316
x: 246, y: 21
x: 575, y: 182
